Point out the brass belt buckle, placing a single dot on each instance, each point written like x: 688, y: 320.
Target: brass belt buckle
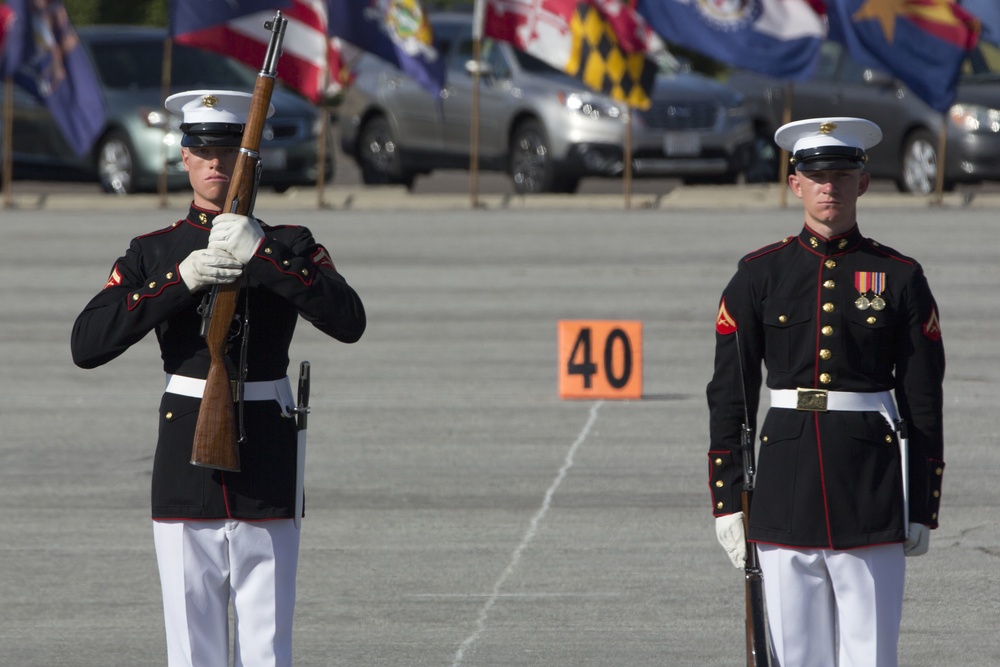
x: 813, y: 400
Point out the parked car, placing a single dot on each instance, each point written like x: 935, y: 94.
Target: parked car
x: 543, y: 127
x: 128, y: 156
x: 908, y: 153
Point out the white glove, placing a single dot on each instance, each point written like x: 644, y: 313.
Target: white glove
x: 919, y: 540
x: 239, y: 235
x: 209, y: 267
x: 729, y: 530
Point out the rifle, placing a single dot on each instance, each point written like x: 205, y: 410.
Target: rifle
x: 215, y: 443
x: 758, y: 653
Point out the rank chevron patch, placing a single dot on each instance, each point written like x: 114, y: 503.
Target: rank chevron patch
x: 932, y: 327
x: 724, y: 322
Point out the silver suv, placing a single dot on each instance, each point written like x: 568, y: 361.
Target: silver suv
x: 539, y: 125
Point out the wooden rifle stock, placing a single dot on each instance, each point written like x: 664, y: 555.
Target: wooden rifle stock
x: 215, y: 442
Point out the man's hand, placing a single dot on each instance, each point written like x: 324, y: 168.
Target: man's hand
x: 211, y: 266
x: 729, y: 530
x: 239, y: 235
x: 919, y: 540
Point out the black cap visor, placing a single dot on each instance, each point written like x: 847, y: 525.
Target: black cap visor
x: 829, y: 158
x: 226, y: 135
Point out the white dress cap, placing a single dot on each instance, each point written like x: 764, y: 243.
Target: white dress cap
x: 212, y: 106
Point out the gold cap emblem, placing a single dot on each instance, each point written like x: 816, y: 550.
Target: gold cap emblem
x: 827, y: 128
x: 209, y: 101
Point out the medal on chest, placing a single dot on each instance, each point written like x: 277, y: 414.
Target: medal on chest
x: 869, y: 282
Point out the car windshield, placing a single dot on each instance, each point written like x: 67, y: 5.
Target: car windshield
x: 984, y: 61
x: 134, y: 65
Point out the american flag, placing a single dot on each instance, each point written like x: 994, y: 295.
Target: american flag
x: 311, y: 60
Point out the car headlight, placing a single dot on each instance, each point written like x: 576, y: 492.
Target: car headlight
x: 975, y: 118
x: 587, y: 105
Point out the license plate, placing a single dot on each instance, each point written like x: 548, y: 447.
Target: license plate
x: 681, y: 144
x: 274, y: 158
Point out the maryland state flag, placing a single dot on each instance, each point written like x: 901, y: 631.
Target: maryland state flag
x: 603, y: 43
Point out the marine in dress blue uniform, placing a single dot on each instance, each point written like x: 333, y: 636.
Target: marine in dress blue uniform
x: 221, y: 536
x: 850, y: 336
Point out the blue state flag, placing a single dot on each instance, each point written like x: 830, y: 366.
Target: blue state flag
x: 988, y: 13
x: 194, y: 15
x: 397, y: 32
x: 779, y: 38
x: 43, y: 54
x: 922, y: 43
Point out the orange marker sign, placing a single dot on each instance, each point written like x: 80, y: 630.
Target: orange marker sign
x: 600, y: 359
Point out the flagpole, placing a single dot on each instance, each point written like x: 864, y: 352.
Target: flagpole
x: 939, y: 171
x: 324, y: 136
x: 478, y: 16
x: 627, y: 176
x: 168, y: 55
x: 8, y: 138
x: 786, y: 117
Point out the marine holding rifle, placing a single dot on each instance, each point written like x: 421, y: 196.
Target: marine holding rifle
x: 222, y: 536
x: 848, y: 477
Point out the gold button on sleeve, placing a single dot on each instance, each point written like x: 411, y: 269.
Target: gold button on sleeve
x: 719, y: 505
x: 719, y: 484
x: 718, y: 462
x: 937, y: 494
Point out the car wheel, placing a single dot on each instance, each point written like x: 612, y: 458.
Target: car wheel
x: 115, y: 166
x: 919, y: 164
x: 531, y: 165
x: 379, y: 156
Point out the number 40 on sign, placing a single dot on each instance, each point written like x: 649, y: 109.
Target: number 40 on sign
x: 600, y: 359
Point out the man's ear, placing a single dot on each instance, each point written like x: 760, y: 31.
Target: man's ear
x: 864, y: 182
x: 184, y: 158
x: 794, y: 185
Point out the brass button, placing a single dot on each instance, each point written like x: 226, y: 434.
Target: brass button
x: 305, y: 272
x: 827, y: 330
x: 888, y: 438
x: 783, y: 318
x: 719, y: 484
x: 718, y: 462
x: 934, y: 516
x: 825, y: 354
x: 830, y: 264
x: 152, y: 284
x: 718, y: 505
x: 825, y: 378
x: 285, y: 263
x: 936, y: 494
x: 938, y: 471
x: 763, y: 439
x: 169, y: 415
x: 828, y: 307
x: 830, y: 284
x: 871, y: 320
x: 170, y: 276
x: 135, y: 297
x: 267, y: 251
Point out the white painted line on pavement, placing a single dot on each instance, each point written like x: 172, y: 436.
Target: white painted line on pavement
x: 528, y: 536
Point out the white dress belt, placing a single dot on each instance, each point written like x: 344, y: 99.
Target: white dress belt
x: 821, y: 400
x: 272, y: 390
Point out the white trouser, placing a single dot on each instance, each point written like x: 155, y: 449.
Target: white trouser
x: 205, y: 564
x: 823, y: 603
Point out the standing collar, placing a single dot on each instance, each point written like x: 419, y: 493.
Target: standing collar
x: 201, y: 217
x: 832, y: 246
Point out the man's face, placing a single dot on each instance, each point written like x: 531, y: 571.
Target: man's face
x: 210, y: 168
x: 830, y: 196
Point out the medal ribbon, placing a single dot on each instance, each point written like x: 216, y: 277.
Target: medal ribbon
x: 866, y: 281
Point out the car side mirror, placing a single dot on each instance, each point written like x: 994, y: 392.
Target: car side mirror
x: 874, y: 77
x: 484, y: 68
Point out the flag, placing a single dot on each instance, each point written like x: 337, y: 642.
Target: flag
x: 603, y: 43
x: 6, y: 16
x: 988, y: 13
x: 398, y: 32
x: 43, y: 54
x: 310, y: 62
x: 779, y: 38
x: 921, y: 42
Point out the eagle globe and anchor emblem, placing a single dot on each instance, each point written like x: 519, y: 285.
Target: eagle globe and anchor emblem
x: 729, y: 14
